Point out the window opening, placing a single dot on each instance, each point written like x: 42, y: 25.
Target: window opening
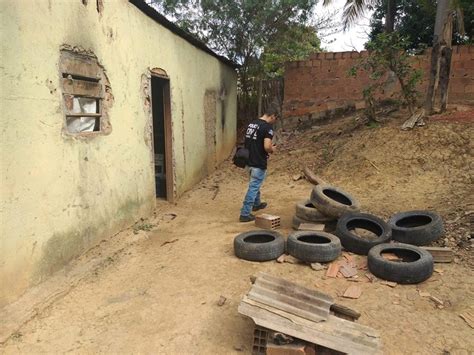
x: 83, y: 88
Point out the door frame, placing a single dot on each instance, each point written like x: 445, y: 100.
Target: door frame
x: 170, y: 183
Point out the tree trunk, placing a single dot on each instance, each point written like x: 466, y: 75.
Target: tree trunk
x: 433, y: 83
x: 390, y: 19
x: 260, y: 84
x: 445, y: 62
x: 445, y: 68
x: 442, y: 11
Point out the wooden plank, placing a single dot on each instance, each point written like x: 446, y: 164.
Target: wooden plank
x: 311, y: 227
x: 79, y: 65
x: 340, y: 309
x: 335, y: 333
x: 468, y: 318
x: 440, y: 255
x: 169, y: 159
x: 83, y: 114
x: 82, y: 88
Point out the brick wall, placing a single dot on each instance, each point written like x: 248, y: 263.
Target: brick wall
x: 320, y: 86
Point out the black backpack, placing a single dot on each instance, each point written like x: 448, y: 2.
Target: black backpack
x: 241, y: 157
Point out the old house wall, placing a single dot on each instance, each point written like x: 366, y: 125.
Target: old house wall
x: 60, y: 194
x: 321, y: 85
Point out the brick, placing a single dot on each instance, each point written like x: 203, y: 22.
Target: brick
x: 359, y: 105
x: 295, y: 348
x: 329, y: 55
x: 316, y: 63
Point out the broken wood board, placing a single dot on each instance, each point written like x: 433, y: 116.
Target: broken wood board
x: 79, y: 64
x: 468, y: 317
x: 290, y: 298
x: 334, y: 333
x: 340, y: 309
x: 82, y: 88
x: 440, y: 255
x: 312, y: 177
x: 311, y: 227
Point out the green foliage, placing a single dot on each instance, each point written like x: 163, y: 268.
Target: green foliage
x: 296, y: 43
x: 246, y: 30
x: 415, y: 20
x: 387, y: 57
x: 258, y: 35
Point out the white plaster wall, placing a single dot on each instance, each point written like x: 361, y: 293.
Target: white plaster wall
x: 60, y: 195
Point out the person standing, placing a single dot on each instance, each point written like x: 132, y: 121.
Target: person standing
x: 258, y: 140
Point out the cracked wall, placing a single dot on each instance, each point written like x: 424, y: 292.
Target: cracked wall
x: 63, y: 194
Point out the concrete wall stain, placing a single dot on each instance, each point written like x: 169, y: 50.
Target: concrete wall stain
x: 61, y: 195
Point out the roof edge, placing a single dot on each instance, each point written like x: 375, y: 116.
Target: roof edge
x: 162, y: 20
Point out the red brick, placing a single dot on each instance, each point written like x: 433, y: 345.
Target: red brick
x: 329, y: 55
x: 296, y: 348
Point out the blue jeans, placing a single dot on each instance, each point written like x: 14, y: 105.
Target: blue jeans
x: 252, y: 198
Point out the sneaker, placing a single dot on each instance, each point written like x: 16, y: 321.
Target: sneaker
x: 261, y: 206
x: 248, y: 218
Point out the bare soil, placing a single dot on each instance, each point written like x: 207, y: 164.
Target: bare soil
x: 157, y: 287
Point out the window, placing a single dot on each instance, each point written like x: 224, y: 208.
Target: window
x: 83, y: 83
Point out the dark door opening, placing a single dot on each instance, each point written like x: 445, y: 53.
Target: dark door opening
x: 162, y: 137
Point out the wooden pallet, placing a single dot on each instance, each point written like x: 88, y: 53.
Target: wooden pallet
x: 267, y: 221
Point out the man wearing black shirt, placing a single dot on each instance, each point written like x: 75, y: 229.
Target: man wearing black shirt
x: 258, y: 140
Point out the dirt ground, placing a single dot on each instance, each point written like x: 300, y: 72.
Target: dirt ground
x: 157, y: 285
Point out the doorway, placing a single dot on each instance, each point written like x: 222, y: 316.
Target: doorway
x: 160, y: 101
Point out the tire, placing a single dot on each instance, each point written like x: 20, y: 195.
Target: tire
x: 259, y: 245
x: 356, y: 244
x: 306, y: 210
x: 332, y: 201
x: 313, y: 247
x: 417, y: 269
x: 329, y: 226
x: 416, y: 227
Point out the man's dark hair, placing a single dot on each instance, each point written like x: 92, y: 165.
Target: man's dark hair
x: 272, y: 109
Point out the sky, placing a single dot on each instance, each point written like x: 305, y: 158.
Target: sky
x: 353, y: 39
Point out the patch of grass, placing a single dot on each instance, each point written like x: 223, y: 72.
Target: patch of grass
x: 143, y: 227
x: 373, y: 124
x: 17, y: 335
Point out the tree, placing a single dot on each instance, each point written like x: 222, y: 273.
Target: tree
x: 387, y: 54
x: 354, y: 9
x: 446, y: 12
x: 415, y: 20
x: 258, y: 35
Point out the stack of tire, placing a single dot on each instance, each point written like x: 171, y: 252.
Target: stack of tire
x: 326, y: 204
x: 409, y: 230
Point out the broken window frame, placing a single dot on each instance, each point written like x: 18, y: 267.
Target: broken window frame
x: 81, y: 78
